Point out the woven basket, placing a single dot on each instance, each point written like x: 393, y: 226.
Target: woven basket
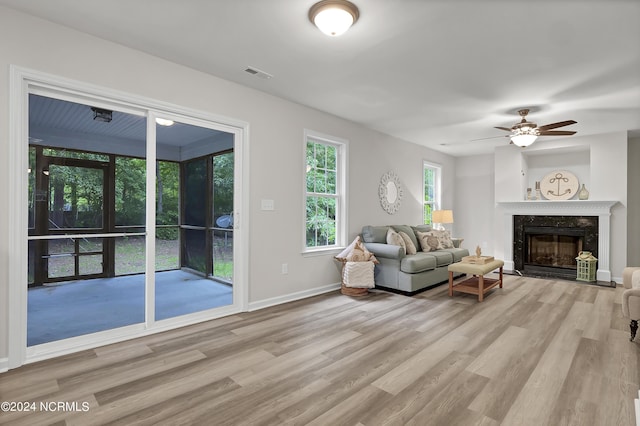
x: 350, y: 291
x: 353, y: 291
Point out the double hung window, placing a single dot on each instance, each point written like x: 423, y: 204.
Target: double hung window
x: 324, y: 192
x: 431, y: 189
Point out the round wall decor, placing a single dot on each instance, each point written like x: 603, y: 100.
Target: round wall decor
x: 390, y: 192
x: 559, y: 185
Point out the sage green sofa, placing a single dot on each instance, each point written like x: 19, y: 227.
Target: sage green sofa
x: 409, y: 273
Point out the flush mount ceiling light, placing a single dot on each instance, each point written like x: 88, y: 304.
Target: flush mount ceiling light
x: 333, y: 17
x: 164, y: 122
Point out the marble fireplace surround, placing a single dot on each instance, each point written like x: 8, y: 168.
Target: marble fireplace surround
x: 601, y: 209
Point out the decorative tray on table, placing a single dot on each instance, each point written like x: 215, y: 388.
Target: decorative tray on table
x: 478, y: 260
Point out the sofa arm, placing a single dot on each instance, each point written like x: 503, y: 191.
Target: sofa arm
x: 627, y: 275
x: 457, y: 242
x: 631, y: 303
x: 387, y: 251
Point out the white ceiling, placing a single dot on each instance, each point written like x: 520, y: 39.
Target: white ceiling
x: 440, y: 73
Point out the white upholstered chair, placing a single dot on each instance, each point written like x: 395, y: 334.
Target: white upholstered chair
x: 631, y: 297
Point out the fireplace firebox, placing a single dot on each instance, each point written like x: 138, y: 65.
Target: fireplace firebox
x: 546, y: 246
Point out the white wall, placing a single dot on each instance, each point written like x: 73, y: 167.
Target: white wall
x: 370, y: 160
x: 276, y: 149
x: 475, y: 202
x: 577, y: 162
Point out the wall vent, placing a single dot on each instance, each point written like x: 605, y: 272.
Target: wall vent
x: 258, y: 73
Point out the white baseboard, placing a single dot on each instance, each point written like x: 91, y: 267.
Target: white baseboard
x: 4, y: 365
x: 261, y: 304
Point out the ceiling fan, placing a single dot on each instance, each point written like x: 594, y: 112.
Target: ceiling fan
x: 525, y: 132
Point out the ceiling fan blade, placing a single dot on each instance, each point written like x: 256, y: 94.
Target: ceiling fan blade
x: 491, y: 137
x: 557, y: 133
x: 503, y: 128
x: 556, y: 125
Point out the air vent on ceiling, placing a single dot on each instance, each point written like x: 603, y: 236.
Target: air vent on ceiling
x: 258, y: 73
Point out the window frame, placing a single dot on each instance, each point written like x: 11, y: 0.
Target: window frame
x: 342, y: 149
x: 437, y: 188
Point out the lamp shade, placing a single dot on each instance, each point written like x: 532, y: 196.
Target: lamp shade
x: 442, y: 216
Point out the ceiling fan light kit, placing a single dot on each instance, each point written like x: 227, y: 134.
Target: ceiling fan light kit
x: 524, y: 136
x: 525, y: 132
x: 334, y: 17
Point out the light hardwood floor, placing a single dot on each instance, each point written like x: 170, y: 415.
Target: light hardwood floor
x: 537, y: 352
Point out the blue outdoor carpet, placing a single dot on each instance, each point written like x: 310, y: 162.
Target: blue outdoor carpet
x: 76, y: 308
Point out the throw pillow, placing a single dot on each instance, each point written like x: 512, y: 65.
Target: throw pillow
x: 394, y: 239
x: 356, y: 252
x: 409, y: 246
x: 445, y: 238
x: 407, y: 230
x: 361, y: 254
x: 428, y: 241
x: 358, y: 275
x: 347, y: 251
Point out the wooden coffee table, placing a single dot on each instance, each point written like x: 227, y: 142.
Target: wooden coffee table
x: 477, y: 283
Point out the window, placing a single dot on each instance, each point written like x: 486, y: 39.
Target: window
x: 431, y: 187
x: 325, y: 161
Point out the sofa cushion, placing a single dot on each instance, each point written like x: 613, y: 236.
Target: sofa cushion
x: 421, y: 228
x: 407, y: 230
x: 375, y: 234
x: 457, y: 253
x: 443, y: 257
x: 418, y: 262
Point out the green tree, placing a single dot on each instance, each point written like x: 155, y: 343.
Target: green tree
x: 223, y: 184
x: 167, y: 198
x: 130, y: 191
x: 321, y: 190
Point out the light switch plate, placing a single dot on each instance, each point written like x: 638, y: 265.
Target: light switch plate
x: 268, y: 205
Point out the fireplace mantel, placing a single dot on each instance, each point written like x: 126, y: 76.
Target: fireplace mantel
x: 602, y: 209
x: 559, y: 208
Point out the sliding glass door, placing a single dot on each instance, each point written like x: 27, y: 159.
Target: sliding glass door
x: 204, y: 280
x: 80, y: 283
x: 92, y: 267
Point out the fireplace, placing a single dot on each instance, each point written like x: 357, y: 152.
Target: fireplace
x: 598, y: 242
x: 546, y: 246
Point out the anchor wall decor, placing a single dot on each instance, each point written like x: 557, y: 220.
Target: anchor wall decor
x: 559, y: 185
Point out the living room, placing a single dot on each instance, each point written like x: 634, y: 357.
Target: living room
x: 271, y: 148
